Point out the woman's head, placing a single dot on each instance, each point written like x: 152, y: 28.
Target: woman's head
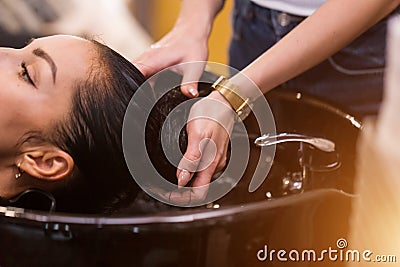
x: 62, y: 101
x: 62, y: 105
x: 36, y: 88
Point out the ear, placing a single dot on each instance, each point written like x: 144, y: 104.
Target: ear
x: 47, y: 162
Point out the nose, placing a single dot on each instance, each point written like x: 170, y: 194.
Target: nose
x: 6, y: 54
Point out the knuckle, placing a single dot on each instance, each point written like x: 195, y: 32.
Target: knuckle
x: 214, y: 164
x: 197, y: 196
x: 193, y: 128
x: 220, y: 156
x: 222, y: 162
x: 193, y: 155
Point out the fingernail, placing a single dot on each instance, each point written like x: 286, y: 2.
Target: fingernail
x: 192, y: 91
x: 183, y: 178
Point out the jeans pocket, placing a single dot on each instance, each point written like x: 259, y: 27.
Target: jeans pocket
x: 365, y: 55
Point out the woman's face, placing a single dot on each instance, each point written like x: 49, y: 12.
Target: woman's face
x: 36, y: 85
x: 36, y: 88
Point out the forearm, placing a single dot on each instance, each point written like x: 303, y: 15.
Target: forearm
x: 198, y: 16
x: 330, y: 28
x: 187, y: 41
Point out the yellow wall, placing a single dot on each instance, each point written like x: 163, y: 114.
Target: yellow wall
x: 165, y: 12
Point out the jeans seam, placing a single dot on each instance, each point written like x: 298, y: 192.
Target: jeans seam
x: 346, y: 71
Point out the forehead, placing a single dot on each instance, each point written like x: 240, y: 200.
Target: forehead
x: 72, y: 55
x: 64, y: 45
x: 55, y: 41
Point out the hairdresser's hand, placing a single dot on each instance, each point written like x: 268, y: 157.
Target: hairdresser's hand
x: 181, y: 44
x: 209, y: 126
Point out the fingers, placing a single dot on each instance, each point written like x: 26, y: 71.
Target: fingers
x: 184, y: 176
x: 190, y: 161
x: 190, y: 90
x: 209, y: 125
x: 188, y: 197
x: 153, y: 61
x: 200, y: 163
x: 200, y: 154
x: 185, y: 173
x: 144, y: 62
x: 198, y: 191
x: 206, y: 161
x: 191, y: 74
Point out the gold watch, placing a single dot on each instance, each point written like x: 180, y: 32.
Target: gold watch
x: 230, y: 92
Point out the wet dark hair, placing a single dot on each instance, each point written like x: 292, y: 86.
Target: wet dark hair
x: 92, y: 135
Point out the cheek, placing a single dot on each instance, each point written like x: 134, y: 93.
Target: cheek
x: 9, y: 105
x: 18, y: 115
x: 15, y: 122
x: 11, y: 125
x: 10, y: 133
x: 13, y: 102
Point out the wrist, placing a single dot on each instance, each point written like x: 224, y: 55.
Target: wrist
x: 231, y: 92
x: 196, y: 31
x: 217, y: 96
x: 198, y: 16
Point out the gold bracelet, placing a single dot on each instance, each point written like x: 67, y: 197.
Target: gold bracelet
x: 229, y: 91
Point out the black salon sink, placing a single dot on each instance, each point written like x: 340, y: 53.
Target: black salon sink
x: 232, y: 231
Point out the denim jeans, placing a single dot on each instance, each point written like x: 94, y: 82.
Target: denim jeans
x: 351, y: 79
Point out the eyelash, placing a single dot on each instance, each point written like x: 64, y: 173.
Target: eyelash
x: 25, y: 74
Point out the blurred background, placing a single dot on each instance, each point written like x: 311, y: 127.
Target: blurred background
x: 128, y: 26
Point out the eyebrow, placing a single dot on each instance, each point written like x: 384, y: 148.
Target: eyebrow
x: 42, y: 54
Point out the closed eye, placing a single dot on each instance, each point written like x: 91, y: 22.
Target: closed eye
x: 24, y: 74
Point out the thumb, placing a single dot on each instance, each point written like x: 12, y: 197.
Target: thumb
x: 146, y: 65
x: 152, y: 61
